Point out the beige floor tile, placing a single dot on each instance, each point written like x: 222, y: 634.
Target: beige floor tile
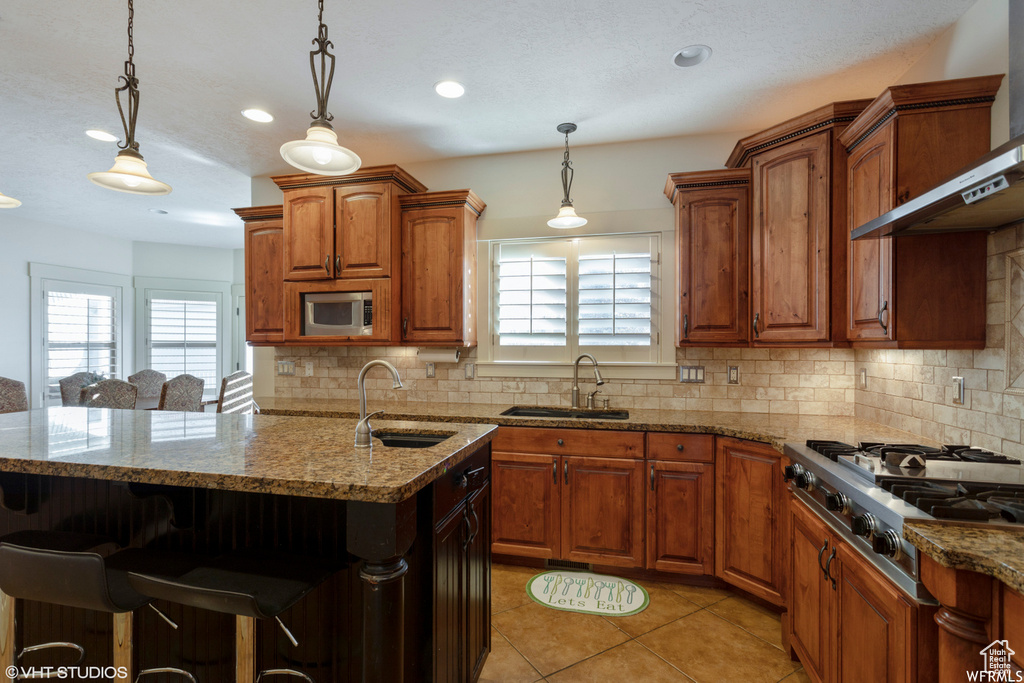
x: 798, y: 676
x: 760, y: 621
x: 505, y: 665
x: 627, y: 662
x: 710, y: 649
x: 508, y: 586
x: 551, y: 640
x: 702, y: 595
x: 665, y: 606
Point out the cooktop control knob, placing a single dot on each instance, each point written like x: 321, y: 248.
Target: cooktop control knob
x: 790, y: 471
x: 887, y: 543
x: 837, y: 502
x: 864, y: 525
x: 805, y: 480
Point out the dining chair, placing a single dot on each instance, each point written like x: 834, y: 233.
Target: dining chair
x: 150, y: 382
x: 236, y: 394
x: 13, y: 397
x: 110, y: 393
x: 71, y: 387
x: 183, y: 392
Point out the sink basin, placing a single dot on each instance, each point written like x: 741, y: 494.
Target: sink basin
x: 572, y: 413
x: 409, y: 439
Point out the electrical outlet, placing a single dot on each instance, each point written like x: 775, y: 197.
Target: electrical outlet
x: 691, y: 374
x: 863, y: 378
x: 430, y: 370
x: 958, y: 390
x: 285, y: 367
x: 470, y: 370
x: 309, y: 368
x: 734, y: 374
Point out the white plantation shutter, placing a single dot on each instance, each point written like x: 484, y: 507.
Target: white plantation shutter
x: 80, y: 332
x: 532, y: 295
x: 182, y: 334
x: 615, y: 292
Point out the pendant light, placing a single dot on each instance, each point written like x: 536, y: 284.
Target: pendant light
x: 320, y: 152
x: 8, y: 202
x: 129, y: 174
x: 566, y: 217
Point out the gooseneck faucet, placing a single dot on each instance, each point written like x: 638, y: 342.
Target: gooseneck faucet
x: 576, y: 378
x: 363, y: 426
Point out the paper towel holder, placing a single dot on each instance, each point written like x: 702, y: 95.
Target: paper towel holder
x: 431, y: 355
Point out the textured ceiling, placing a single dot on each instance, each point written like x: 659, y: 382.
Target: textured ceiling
x: 527, y: 65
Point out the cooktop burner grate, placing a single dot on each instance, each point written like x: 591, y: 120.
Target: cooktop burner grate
x: 962, y: 501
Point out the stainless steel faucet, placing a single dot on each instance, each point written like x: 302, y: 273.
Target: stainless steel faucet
x: 363, y: 429
x: 576, y: 378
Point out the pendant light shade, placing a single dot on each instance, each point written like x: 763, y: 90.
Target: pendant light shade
x: 129, y: 174
x: 8, y: 202
x: 566, y: 217
x: 320, y: 152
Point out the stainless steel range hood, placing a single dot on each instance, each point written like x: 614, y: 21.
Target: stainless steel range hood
x: 986, y: 196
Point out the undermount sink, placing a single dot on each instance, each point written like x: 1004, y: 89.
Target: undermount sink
x: 409, y: 439
x: 572, y: 413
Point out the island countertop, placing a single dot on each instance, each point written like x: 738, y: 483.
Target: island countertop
x: 988, y: 549
x: 298, y: 456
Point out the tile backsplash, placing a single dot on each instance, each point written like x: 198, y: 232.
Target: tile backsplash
x: 907, y: 389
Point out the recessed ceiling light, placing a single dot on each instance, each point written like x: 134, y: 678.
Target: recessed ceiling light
x: 101, y: 135
x: 449, y: 89
x: 257, y: 115
x: 159, y: 211
x: 691, y: 55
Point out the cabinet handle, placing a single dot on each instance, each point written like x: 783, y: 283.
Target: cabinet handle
x: 566, y: 470
x: 561, y: 442
x: 327, y: 264
x: 337, y: 264
x: 476, y: 524
x: 686, y: 326
x: 468, y: 537
x: 828, y: 566
x: 757, y: 316
x: 652, y: 477
x: 554, y: 471
x: 885, y: 306
x: 820, y: 553
x: 405, y: 325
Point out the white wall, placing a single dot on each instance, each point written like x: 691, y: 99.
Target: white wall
x: 151, y: 259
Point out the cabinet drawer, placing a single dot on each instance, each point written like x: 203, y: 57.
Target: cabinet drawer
x: 688, y: 447
x: 1013, y: 622
x: 592, y: 442
x: 462, y: 480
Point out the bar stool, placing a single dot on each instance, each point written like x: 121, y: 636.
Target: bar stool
x: 248, y: 585
x: 74, y: 570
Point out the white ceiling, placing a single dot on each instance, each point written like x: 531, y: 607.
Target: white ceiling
x: 527, y: 66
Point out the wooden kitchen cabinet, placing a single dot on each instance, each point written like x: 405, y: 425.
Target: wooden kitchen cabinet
x: 308, y: 233
x: 750, y: 550
x: 264, y: 288
x: 381, y: 288
x: 556, y: 496
x: 798, y: 232
x: 438, y: 236
x: 713, y: 256
x: 921, y: 291
x: 681, y: 517
x: 810, y: 592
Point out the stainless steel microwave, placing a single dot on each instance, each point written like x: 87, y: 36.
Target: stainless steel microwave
x: 338, y: 314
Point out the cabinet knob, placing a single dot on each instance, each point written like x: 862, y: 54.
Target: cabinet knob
x: 679, y: 447
x: 561, y: 442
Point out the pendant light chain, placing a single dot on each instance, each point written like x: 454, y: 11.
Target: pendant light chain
x: 322, y: 84
x: 131, y: 86
x: 567, y: 173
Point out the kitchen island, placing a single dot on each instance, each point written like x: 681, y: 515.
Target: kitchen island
x: 212, y: 483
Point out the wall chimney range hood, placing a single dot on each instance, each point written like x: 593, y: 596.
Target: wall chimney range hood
x: 988, y: 195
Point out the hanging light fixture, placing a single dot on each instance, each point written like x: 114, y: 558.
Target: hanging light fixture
x: 320, y: 152
x: 567, y: 217
x: 129, y: 174
x: 8, y: 202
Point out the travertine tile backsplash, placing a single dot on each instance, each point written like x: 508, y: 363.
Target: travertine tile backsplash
x: 910, y: 390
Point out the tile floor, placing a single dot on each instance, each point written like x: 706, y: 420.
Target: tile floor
x: 687, y: 633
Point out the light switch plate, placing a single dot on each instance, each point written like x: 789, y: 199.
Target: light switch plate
x: 958, y: 391
x: 691, y: 374
x: 470, y: 370
x: 430, y: 370
x: 285, y: 367
x: 309, y: 368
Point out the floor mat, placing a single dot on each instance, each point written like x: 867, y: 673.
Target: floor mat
x: 588, y: 593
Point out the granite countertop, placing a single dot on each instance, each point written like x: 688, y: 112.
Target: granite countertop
x: 994, y: 550
x: 769, y: 428
x: 296, y: 456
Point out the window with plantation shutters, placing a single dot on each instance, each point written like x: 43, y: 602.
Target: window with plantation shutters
x: 81, y: 332
x: 182, y: 334
x: 615, y: 292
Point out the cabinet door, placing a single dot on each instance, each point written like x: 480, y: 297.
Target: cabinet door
x: 478, y: 583
x: 749, y: 552
x: 871, y: 179
x: 681, y: 517
x: 450, y: 597
x: 363, y: 231
x: 714, y: 239
x: 526, y: 504
x: 603, y: 511
x: 790, y: 240
x: 264, y: 286
x: 308, y: 234
x: 432, y: 275
x: 810, y: 595
x: 875, y: 640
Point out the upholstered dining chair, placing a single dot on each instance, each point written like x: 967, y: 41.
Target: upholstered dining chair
x: 236, y: 394
x: 110, y: 393
x: 183, y: 392
x: 13, y: 397
x: 149, y: 382
x: 71, y: 387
